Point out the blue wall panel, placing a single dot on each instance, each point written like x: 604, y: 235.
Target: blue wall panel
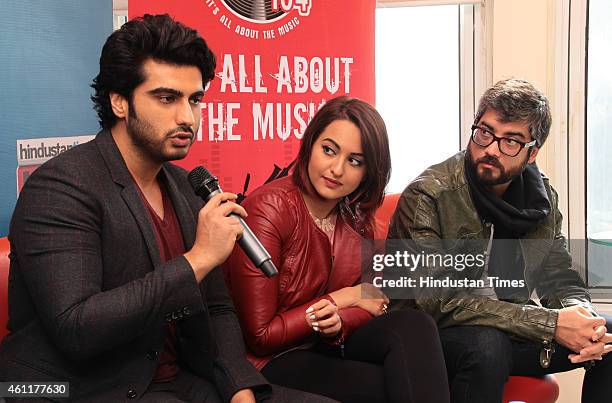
x: 49, y: 52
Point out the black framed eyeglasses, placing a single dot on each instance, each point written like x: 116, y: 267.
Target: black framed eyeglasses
x: 507, y: 145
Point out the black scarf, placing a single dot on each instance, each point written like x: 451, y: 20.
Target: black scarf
x: 523, y: 206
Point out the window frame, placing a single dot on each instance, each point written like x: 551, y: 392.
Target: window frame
x: 577, y: 118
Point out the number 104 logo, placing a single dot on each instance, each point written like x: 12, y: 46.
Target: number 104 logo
x: 302, y: 6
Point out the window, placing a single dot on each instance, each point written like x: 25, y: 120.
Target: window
x: 417, y: 86
x: 589, y: 145
x: 425, y: 69
x: 599, y: 144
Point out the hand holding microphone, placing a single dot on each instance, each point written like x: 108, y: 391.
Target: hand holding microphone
x: 215, y: 235
x: 207, y: 187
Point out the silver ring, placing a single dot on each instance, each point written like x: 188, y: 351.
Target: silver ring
x: 384, y: 308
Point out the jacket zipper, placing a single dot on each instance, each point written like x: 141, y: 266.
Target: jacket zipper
x: 489, y: 247
x: 546, y: 353
x: 331, y: 245
x: 525, y: 269
x: 331, y: 259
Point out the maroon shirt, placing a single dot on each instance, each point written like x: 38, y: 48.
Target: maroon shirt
x: 170, y: 244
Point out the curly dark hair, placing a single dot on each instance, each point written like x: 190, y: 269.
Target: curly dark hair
x: 156, y: 37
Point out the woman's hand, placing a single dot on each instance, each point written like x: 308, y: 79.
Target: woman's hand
x: 323, y: 317
x: 347, y: 296
x: 364, y: 296
x: 372, y: 299
x: 375, y: 307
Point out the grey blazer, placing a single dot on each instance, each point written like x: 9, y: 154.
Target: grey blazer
x: 89, y: 295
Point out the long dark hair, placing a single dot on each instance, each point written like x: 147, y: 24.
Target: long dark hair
x: 156, y: 37
x: 368, y: 196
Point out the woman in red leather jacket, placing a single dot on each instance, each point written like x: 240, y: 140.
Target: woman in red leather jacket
x: 308, y: 328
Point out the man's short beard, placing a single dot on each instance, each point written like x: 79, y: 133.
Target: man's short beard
x: 488, y: 180
x: 141, y: 133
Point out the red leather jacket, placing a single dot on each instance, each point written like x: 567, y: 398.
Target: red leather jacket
x: 272, y: 310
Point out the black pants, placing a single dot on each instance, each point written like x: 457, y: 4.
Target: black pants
x: 393, y: 358
x: 187, y: 387
x: 480, y: 359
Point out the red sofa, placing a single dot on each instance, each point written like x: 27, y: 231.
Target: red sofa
x: 4, y: 271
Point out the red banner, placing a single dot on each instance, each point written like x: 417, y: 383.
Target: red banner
x: 278, y: 61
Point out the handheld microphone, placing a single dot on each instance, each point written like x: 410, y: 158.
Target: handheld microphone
x: 206, y: 186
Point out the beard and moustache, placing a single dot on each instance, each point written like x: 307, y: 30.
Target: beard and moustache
x: 486, y: 178
x: 142, y: 134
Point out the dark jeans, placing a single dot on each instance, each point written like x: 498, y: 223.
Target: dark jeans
x: 480, y: 359
x: 393, y: 358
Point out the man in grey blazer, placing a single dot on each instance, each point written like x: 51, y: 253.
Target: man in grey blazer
x: 114, y: 285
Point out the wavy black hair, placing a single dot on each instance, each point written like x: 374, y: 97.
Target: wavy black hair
x: 156, y: 37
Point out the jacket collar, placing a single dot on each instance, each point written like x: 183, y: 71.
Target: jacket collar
x: 121, y: 176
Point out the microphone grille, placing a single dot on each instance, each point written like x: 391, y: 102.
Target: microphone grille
x: 198, y: 176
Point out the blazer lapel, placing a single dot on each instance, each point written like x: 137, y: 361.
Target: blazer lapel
x: 130, y: 194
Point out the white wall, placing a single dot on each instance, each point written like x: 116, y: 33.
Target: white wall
x: 528, y: 43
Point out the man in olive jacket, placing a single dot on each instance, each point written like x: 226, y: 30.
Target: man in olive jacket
x: 493, y: 192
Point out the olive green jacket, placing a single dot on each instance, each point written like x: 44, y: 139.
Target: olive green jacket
x: 437, y: 207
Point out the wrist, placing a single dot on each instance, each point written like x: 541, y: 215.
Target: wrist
x: 200, y: 263
x: 346, y: 297
x: 243, y: 395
